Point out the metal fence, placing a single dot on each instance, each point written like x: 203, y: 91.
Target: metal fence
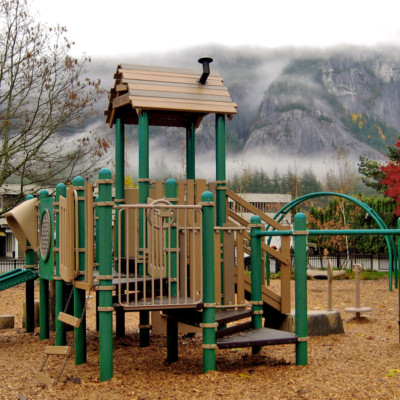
x: 368, y: 261
x: 10, y: 264
x: 378, y: 262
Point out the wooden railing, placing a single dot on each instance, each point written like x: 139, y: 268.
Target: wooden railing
x: 282, y: 302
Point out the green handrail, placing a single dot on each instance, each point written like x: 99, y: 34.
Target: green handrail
x: 374, y: 215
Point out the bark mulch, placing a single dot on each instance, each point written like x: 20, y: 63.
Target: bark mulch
x: 363, y: 363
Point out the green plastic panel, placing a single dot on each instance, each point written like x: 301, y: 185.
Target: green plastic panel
x: 15, y: 277
x: 46, y: 236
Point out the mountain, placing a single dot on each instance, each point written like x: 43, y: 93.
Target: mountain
x: 291, y: 101
x: 318, y: 104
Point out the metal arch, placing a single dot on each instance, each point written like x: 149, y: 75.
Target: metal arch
x: 389, y: 239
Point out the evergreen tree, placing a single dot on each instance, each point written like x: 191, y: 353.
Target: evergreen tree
x: 276, y: 182
x: 309, y: 182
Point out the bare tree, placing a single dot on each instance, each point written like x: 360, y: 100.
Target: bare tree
x: 45, y: 96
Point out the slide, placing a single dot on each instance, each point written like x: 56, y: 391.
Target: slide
x: 15, y: 277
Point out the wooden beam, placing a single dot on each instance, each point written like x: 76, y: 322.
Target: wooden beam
x: 121, y: 100
x: 219, y: 94
x: 175, y: 84
x: 163, y: 69
x: 254, y: 210
x: 121, y: 88
x: 194, y: 75
x: 164, y: 105
x: 160, y: 78
x: 150, y: 97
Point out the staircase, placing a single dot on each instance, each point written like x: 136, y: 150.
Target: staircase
x: 239, y: 335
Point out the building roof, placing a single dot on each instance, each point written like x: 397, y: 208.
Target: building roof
x: 173, y: 96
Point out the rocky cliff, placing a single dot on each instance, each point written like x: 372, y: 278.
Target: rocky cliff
x: 296, y: 101
x: 317, y: 105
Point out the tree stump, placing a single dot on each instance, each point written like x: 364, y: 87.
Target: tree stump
x: 6, y: 321
x: 320, y: 322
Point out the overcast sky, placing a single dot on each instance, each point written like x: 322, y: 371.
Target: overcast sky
x: 113, y: 28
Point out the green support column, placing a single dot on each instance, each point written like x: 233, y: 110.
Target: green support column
x: 80, y: 294
x: 105, y: 268
x: 44, y: 294
x: 171, y: 192
x: 209, y: 340
x: 61, y: 190
x: 220, y: 159
x: 256, y: 276
x: 29, y: 288
x: 96, y: 224
x: 119, y: 182
x: 398, y: 261
x: 300, y: 271
x: 120, y: 199
x: 191, y: 151
x: 144, y: 183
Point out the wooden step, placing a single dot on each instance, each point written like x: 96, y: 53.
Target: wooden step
x: 58, y: 350
x: 69, y: 319
x: 45, y: 379
x: 257, y: 337
x: 231, y: 330
x: 225, y: 316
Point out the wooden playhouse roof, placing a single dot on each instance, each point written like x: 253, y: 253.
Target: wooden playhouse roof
x: 172, y: 96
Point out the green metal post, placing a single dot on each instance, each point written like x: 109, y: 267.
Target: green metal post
x: 209, y: 339
x: 61, y: 339
x: 119, y: 183
x: 96, y: 223
x: 300, y: 265
x: 120, y: 199
x: 44, y: 294
x: 105, y: 268
x: 144, y: 182
x: 80, y: 294
x: 256, y: 276
x: 398, y: 261
x: 171, y: 192
x: 267, y: 268
x: 220, y: 161
x: 190, y: 151
x: 30, y: 288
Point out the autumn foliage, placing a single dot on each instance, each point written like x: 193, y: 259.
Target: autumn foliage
x: 392, y: 180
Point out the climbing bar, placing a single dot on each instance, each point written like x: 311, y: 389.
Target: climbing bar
x: 58, y: 350
x: 69, y: 319
x: 45, y: 379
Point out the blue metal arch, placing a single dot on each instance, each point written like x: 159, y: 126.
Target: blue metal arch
x: 374, y: 215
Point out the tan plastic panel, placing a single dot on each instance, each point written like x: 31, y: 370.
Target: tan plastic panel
x: 23, y: 222
x: 67, y: 219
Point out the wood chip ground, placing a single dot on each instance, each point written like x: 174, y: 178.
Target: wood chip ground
x: 360, y: 364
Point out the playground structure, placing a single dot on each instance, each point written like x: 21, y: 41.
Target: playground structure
x: 171, y: 247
